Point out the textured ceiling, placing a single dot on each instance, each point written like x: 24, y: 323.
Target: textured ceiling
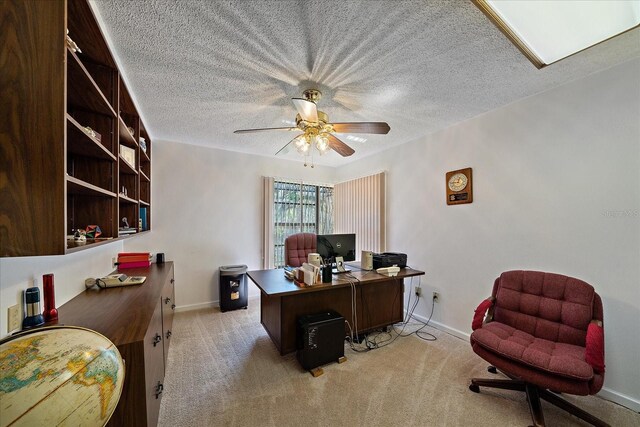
x: 201, y: 69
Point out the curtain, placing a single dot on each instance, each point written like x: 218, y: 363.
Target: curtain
x: 267, y: 223
x: 359, y: 207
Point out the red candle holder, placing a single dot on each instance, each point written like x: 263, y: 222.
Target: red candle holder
x: 50, y: 312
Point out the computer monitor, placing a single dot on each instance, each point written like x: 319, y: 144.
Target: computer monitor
x: 330, y: 246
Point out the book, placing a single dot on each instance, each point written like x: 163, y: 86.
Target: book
x: 143, y: 218
x: 135, y: 264
x: 133, y: 257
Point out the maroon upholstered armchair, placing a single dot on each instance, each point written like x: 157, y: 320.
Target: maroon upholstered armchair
x: 545, y: 332
x: 297, y: 247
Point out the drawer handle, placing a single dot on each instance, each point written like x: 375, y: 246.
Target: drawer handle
x: 157, y: 339
x: 159, y: 389
x: 172, y: 281
x: 168, y: 334
x: 167, y: 300
x: 173, y: 306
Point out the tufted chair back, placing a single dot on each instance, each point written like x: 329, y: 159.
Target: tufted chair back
x: 546, y: 305
x: 545, y: 331
x: 297, y: 247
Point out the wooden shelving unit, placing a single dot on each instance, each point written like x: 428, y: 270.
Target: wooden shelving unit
x: 67, y: 123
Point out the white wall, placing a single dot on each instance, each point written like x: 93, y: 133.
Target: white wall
x: 556, y: 188
x: 70, y: 271
x: 207, y: 212
x: 556, y: 181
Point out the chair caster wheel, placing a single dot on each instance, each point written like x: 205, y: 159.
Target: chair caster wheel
x: 474, y: 388
x: 492, y: 369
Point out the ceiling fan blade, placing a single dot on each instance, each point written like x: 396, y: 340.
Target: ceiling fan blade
x: 339, y: 147
x: 263, y: 129
x: 307, y: 109
x: 285, y: 149
x: 361, y: 127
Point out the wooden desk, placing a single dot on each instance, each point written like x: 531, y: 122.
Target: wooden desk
x: 379, y: 301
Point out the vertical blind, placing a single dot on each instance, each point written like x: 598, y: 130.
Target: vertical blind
x: 360, y: 209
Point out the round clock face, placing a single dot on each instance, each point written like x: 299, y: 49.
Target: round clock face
x: 458, y: 182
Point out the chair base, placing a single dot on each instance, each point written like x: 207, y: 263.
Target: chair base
x: 534, y: 394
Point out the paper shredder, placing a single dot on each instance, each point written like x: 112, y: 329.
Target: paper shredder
x: 233, y: 287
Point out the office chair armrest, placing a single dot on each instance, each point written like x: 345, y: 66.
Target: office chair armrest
x: 481, y: 311
x: 594, y: 351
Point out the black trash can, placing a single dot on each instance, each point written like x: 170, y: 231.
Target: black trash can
x: 233, y: 287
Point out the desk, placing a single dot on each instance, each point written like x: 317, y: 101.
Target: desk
x: 379, y: 301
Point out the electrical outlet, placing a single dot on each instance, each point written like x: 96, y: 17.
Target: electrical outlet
x: 436, y: 297
x: 14, y: 318
x: 418, y: 291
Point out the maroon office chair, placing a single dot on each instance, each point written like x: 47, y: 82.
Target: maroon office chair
x: 545, y: 332
x: 297, y: 247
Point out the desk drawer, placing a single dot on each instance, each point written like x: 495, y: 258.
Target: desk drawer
x: 154, y: 365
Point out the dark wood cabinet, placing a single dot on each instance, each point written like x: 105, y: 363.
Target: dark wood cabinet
x: 137, y: 320
x: 67, y: 115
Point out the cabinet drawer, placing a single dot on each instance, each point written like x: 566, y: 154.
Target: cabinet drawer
x: 154, y: 365
x: 168, y: 308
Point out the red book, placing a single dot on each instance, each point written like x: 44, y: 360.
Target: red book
x: 133, y: 257
x: 136, y: 264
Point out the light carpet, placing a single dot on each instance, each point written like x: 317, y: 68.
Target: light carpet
x: 223, y: 370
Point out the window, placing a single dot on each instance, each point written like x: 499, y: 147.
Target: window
x: 299, y: 208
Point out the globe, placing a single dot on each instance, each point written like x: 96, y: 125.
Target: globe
x: 59, y: 375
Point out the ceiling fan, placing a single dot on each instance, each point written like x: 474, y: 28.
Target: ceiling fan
x: 316, y: 129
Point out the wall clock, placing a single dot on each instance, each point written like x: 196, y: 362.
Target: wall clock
x: 459, y: 187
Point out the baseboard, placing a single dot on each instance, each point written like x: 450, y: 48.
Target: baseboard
x: 620, y: 399
x: 605, y: 393
x: 210, y: 304
x: 190, y: 307
x: 444, y: 328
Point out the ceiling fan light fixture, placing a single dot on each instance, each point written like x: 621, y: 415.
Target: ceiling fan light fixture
x: 301, y: 143
x: 322, y: 143
x: 317, y: 131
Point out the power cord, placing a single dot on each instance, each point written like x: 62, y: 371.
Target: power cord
x: 372, y: 340
x: 429, y: 336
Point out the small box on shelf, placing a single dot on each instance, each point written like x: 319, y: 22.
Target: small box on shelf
x: 129, y: 155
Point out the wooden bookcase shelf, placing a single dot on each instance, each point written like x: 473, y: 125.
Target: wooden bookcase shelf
x: 63, y: 176
x: 81, y: 143
x: 82, y: 91
x: 126, y: 168
x: 125, y: 199
x: 125, y: 136
x: 144, y: 157
x: 79, y: 187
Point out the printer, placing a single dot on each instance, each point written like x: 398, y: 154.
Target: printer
x: 389, y: 259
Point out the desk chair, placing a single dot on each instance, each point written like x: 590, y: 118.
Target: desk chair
x: 545, y: 332
x: 297, y: 247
